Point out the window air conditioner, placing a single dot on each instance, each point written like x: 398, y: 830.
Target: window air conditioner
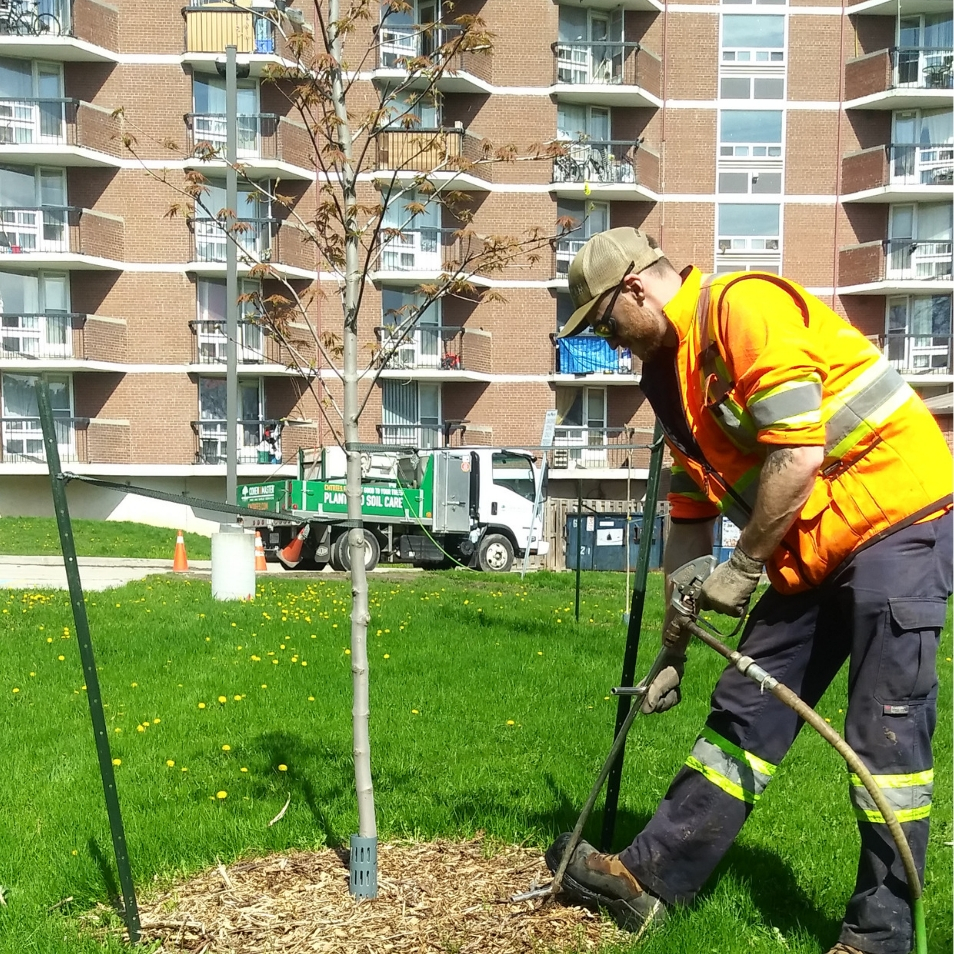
x: 771, y: 244
x: 724, y: 245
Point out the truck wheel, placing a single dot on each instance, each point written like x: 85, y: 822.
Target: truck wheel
x: 495, y: 554
x: 341, y: 552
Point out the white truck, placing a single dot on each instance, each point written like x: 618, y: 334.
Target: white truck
x: 430, y: 508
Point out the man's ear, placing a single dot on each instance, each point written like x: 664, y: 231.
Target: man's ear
x: 634, y: 285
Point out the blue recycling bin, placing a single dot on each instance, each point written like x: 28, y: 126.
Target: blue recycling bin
x: 598, y: 541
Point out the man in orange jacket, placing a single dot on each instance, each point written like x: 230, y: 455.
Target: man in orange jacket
x: 787, y: 420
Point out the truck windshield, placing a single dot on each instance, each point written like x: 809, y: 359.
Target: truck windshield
x: 515, y: 473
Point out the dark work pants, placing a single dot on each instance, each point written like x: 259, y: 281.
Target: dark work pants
x: 883, y: 612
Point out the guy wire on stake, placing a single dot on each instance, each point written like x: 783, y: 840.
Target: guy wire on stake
x: 100, y: 735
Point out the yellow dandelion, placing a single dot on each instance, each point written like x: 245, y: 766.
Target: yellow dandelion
x: 511, y: 722
x: 155, y: 721
x: 117, y: 761
x: 201, y: 705
x: 311, y: 698
x: 184, y: 769
x: 387, y: 655
x: 221, y: 794
x: 61, y: 658
x: 74, y: 852
x: 243, y: 769
x: 282, y: 768
x: 223, y: 700
x: 414, y: 712
x: 16, y: 690
x: 226, y: 748
x: 140, y: 728
x: 347, y: 652
x: 264, y: 685
x: 304, y: 663
x: 539, y: 652
x: 171, y: 763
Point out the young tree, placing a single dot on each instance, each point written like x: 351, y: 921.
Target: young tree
x: 358, y: 216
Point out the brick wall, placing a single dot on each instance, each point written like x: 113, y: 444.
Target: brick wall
x: 865, y: 312
x: 690, y: 151
x: 96, y: 234
x: 96, y: 128
x: 860, y: 264
x: 693, y: 76
x: 868, y: 74
x: 808, y: 257
x: 104, y: 339
x: 814, y: 60
x: 811, y: 152
x: 96, y: 23
x: 477, y: 351
x: 864, y: 170
x: 108, y: 442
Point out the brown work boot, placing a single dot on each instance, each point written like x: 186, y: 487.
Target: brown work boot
x: 840, y: 948
x: 592, y: 878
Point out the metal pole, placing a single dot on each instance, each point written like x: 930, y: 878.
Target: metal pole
x: 100, y: 733
x: 231, y: 278
x: 632, y: 635
x: 579, y: 543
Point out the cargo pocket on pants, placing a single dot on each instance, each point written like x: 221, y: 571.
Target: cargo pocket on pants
x: 907, y: 672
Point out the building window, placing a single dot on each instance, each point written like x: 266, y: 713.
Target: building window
x: 411, y: 414
x: 921, y: 147
x: 757, y: 38
x: 212, y: 320
x: 33, y: 213
x: 925, y: 44
x: 33, y: 109
x: 919, y: 241
x: 588, y: 218
x: 209, y: 115
x: 254, y: 238
x: 743, y: 229
x: 419, y: 246
x: 22, y: 434
x: 34, y: 315
x: 918, y: 338
x: 752, y: 87
x: 750, y: 134
x: 410, y: 332
x: 401, y: 36
x: 581, y: 425
x: 212, y: 420
x: 590, y: 46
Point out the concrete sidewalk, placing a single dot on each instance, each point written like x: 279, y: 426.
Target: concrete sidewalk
x: 96, y: 573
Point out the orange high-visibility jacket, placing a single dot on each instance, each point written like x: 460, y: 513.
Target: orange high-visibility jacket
x: 763, y: 363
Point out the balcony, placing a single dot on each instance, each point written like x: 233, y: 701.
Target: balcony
x: 437, y: 353
x: 256, y: 346
x: 891, y: 8
x: 268, y: 146
x: 907, y: 77
x: 564, y: 253
x: 60, y: 30
x: 83, y: 342
x: 259, y: 36
x: 22, y: 440
x: 64, y: 236
x: 594, y: 448
x: 918, y: 355
x: 211, y: 437
x: 900, y: 172
x: 449, y: 158
x: 615, y: 169
x: 606, y: 74
x: 896, y: 266
x: 64, y: 132
x: 421, y: 48
x: 261, y: 241
x: 586, y: 355
x: 410, y: 256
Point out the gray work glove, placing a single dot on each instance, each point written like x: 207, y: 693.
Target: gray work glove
x: 664, y: 691
x: 729, y: 586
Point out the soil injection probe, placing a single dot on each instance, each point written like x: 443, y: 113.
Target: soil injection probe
x: 686, y: 583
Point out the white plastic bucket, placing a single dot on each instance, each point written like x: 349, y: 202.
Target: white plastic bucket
x: 233, y: 564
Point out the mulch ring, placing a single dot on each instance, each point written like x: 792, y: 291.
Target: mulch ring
x: 433, y: 898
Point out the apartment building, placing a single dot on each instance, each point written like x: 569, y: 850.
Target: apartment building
x: 813, y: 140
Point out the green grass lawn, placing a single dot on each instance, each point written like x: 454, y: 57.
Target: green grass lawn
x: 38, y: 536
x: 490, y: 711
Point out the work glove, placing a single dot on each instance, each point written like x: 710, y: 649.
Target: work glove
x: 664, y: 691
x: 729, y: 586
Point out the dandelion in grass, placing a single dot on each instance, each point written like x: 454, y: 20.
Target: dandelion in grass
x: 61, y: 658
x: 236, y: 698
x: 117, y: 761
x: 226, y: 748
x: 171, y: 763
x: 283, y: 767
x: 415, y: 712
x: 221, y: 795
x: 222, y: 700
x: 15, y: 689
x: 201, y: 705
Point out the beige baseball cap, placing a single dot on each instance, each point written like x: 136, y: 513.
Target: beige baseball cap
x: 602, y: 264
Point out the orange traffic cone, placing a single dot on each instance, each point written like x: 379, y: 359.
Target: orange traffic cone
x: 290, y: 556
x: 180, y: 563
x: 260, y: 565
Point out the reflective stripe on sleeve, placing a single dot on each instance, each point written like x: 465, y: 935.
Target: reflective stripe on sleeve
x: 908, y: 795
x: 738, y: 773
x: 682, y: 484
x: 792, y: 404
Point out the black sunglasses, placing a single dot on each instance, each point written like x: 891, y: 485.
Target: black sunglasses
x: 605, y: 326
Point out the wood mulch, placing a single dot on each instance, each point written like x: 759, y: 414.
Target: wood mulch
x: 433, y: 898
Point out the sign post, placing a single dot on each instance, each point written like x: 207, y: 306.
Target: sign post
x: 546, y: 442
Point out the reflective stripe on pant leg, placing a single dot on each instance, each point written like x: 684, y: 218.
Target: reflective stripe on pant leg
x: 908, y: 795
x: 741, y: 774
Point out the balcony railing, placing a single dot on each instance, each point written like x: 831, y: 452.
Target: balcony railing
x: 565, y: 251
x: 414, y: 46
x: 418, y: 250
x: 38, y: 336
x: 34, y: 17
x: 211, y: 436
x: 22, y: 439
x: 210, y: 29
x: 253, y: 346
x: 210, y: 239
x: 588, y: 354
x: 260, y: 136
x: 918, y: 354
x: 605, y: 63
x: 615, y: 161
x: 60, y: 229
x: 907, y: 67
x: 895, y: 260
x: 593, y: 447
x: 434, y: 348
x: 411, y: 435
x: 898, y: 164
x: 430, y: 151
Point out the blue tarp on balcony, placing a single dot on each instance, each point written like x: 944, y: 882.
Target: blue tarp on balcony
x: 590, y: 355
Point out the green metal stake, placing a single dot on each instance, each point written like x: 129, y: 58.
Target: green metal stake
x: 632, y: 635
x: 100, y: 735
